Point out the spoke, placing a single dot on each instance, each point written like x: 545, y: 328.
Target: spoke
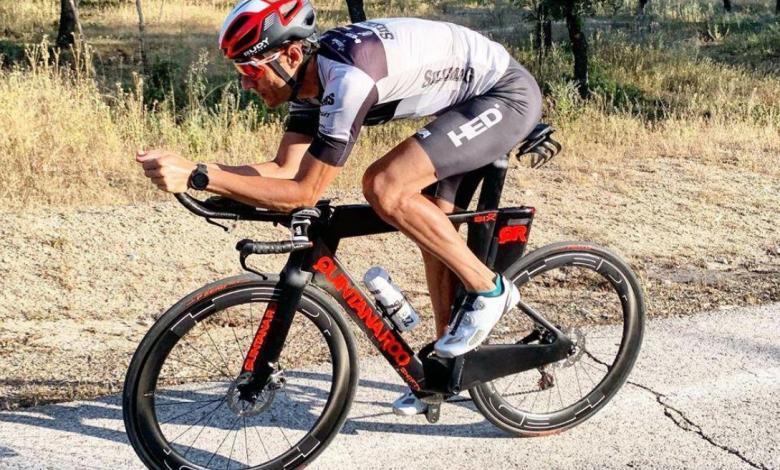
x: 197, y: 436
x: 225, y: 373
x: 213, y: 343
x: 197, y: 366
x: 223, y: 441
x: 536, y: 395
x: 510, y: 383
x: 549, y: 398
x: 588, y: 374
x: 268, y: 456
x: 246, y: 443
x: 577, y: 376
x: 233, y: 330
x: 186, y: 402
x: 593, y: 367
x: 190, y: 411
x: 232, y: 448
x: 558, y: 386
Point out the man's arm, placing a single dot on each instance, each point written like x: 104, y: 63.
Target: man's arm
x: 304, y: 189
x: 284, y: 166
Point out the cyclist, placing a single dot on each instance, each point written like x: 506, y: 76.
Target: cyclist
x: 365, y: 74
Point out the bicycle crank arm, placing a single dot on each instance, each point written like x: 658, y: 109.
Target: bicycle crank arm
x: 493, y: 361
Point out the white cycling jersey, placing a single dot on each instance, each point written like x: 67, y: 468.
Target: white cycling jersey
x: 384, y: 69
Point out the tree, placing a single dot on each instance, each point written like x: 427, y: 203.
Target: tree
x: 69, y: 23
x: 641, y: 7
x: 777, y: 7
x: 572, y: 11
x: 727, y: 5
x: 542, y: 29
x: 356, y: 11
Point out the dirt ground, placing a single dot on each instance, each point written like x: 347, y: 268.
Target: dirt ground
x: 81, y: 287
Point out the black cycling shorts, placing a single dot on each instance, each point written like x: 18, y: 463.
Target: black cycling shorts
x: 479, y: 132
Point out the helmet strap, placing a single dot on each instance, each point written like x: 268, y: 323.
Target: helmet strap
x: 294, y: 83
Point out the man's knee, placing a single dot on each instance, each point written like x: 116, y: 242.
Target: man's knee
x: 385, y: 195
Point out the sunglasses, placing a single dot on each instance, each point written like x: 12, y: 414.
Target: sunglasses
x: 252, y: 68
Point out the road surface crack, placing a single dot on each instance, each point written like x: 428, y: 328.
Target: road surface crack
x: 686, y: 424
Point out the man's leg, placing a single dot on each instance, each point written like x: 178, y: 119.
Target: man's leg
x: 393, y: 185
x: 441, y: 281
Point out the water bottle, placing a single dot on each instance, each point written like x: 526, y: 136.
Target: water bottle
x: 390, y: 299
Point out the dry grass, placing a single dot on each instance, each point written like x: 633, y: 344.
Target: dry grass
x: 676, y: 84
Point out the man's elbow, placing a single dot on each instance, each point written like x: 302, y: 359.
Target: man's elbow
x: 304, y: 198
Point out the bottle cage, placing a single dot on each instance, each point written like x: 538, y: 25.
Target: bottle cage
x: 539, y: 146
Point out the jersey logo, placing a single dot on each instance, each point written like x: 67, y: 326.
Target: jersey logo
x: 455, y: 74
x: 476, y: 126
x: 384, y: 32
x: 423, y: 133
x: 329, y: 99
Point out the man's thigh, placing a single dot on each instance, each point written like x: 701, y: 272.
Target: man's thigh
x: 406, y: 168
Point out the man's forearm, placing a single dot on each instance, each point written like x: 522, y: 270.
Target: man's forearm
x: 268, y: 169
x: 250, y: 188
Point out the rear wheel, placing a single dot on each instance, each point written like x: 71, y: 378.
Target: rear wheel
x: 593, y: 297
x: 181, y: 405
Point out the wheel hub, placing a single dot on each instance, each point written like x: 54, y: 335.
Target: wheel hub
x: 259, y: 402
x: 577, y: 338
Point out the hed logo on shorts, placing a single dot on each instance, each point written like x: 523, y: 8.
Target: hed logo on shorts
x: 476, y: 126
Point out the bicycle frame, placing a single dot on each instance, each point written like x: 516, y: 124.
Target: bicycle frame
x: 497, y: 236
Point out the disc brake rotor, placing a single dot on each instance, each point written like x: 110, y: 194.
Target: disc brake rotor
x: 259, y: 403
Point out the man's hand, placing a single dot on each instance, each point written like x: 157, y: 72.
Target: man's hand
x: 167, y: 170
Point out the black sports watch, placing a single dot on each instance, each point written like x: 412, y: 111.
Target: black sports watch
x: 199, y: 178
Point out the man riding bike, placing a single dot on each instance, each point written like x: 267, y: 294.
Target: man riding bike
x: 365, y: 74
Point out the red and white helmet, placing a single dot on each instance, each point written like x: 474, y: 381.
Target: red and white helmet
x: 256, y: 26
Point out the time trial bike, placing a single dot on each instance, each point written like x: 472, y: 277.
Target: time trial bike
x: 259, y: 370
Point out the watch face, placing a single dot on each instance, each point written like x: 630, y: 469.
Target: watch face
x: 200, y: 181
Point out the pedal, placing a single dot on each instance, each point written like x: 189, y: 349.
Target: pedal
x: 433, y: 412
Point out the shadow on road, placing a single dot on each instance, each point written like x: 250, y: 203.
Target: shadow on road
x: 293, y: 412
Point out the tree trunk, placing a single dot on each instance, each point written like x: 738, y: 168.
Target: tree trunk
x: 542, y: 31
x: 579, y: 46
x: 777, y: 7
x: 69, y: 23
x: 641, y: 8
x: 356, y: 11
x: 727, y: 5
x: 141, y: 34
x: 547, y: 28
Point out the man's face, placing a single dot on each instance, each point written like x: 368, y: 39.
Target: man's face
x: 267, y: 84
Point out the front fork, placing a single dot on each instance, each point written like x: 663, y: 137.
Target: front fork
x: 260, y: 362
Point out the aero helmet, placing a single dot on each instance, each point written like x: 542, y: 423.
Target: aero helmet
x: 256, y: 26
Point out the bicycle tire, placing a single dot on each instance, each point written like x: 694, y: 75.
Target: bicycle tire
x: 520, y: 419
x: 318, y: 315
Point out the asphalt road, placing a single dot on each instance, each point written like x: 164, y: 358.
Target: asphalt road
x: 705, y: 393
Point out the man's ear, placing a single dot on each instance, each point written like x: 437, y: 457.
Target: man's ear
x: 294, y: 55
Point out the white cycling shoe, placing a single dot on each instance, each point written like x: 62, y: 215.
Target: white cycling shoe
x: 409, y: 405
x: 474, y: 321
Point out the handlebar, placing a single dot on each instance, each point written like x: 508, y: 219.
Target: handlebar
x: 224, y: 208
x: 251, y: 247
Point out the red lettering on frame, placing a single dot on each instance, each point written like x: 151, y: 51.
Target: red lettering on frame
x: 513, y: 234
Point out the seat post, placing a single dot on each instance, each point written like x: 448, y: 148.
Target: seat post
x: 493, y: 185
x: 479, y: 239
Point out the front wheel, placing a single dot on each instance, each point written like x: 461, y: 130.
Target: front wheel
x: 180, y: 402
x: 593, y: 297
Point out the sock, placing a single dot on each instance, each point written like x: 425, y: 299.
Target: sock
x: 498, y: 290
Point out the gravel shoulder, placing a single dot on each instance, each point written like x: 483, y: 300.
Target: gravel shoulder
x: 82, y: 286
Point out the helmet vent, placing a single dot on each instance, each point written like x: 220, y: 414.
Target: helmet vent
x: 270, y: 20
x: 246, y: 41
x: 236, y: 27
x: 287, y: 8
